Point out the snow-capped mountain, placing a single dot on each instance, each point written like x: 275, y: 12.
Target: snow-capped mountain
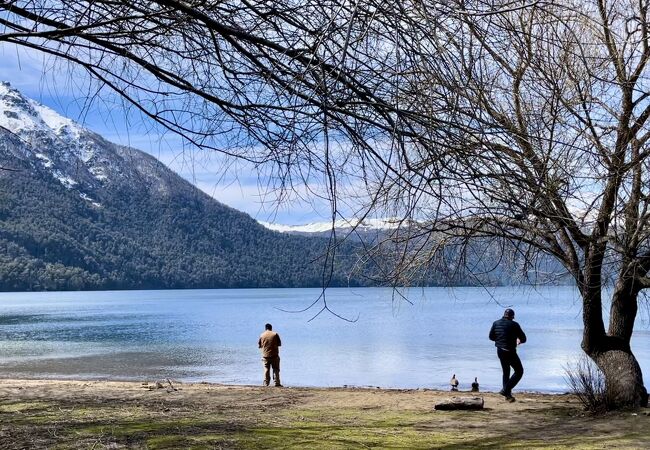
x: 26, y: 117
x: 78, y: 158
x: 79, y: 212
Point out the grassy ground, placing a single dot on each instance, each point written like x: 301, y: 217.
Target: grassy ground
x: 77, y: 414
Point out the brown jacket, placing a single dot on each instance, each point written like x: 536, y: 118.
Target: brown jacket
x: 269, y: 343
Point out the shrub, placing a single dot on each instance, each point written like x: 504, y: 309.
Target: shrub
x: 587, y: 382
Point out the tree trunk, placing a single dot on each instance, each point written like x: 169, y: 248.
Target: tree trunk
x: 623, y: 379
x: 611, y: 351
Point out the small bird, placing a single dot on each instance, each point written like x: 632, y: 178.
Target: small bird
x: 475, y: 385
x: 454, y: 383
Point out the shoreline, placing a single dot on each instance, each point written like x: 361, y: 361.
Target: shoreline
x: 293, y: 386
x: 45, y: 413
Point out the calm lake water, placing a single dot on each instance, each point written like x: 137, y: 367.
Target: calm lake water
x: 211, y: 335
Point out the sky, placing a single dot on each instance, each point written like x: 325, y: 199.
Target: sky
x: 64, y: 88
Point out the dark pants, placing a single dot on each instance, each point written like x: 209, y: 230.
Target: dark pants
x: 271, y: 363
x: 510, y: 359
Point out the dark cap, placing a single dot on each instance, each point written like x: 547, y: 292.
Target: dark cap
x: 509, y: 313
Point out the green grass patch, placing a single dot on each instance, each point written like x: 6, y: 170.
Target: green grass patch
x: 343, y: 437
x: 24, y: 407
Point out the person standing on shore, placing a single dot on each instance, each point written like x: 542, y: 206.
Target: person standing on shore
x: 507, y: 335
x: 270, y: 343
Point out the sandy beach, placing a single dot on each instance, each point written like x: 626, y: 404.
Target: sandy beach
x: 159, y: 414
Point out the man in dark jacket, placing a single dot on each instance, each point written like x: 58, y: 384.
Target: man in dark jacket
x: 507, y: 334
x: 269, y: 342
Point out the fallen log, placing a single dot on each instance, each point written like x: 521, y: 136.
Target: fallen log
x: 460, y: 403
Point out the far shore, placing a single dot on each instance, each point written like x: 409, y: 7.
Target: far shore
x: 162, y: 414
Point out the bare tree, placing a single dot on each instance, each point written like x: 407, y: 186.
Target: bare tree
x: 513, y: 121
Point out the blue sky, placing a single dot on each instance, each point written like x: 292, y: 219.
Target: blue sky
x: 64, y: 88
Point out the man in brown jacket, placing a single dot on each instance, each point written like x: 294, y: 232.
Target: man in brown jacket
x: 269, y: 342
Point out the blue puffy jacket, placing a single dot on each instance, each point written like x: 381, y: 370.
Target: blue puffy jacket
x: 505, y: 332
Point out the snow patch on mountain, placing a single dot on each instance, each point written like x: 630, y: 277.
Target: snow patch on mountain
x: 90, y: 200
x: 47, y: 162
x: 62, y: 126
x: 99, y: 173
x: 64, y: 179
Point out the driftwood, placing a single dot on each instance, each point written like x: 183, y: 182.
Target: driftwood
x: 457, y: 403
x: 160, y: 385
x: 171, y: 386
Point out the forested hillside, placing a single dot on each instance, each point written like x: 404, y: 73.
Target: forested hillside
x: 78, y: 212
x: 52, y: 239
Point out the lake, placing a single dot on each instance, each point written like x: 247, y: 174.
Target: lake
x: 211, y: 335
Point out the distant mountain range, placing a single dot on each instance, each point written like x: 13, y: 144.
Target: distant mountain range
x: 79, y: 212
x: 354, y: 229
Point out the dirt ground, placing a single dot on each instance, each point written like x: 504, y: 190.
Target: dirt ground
x: 101, y: 414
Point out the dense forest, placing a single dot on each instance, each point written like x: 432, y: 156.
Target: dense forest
x: 51, y: 239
